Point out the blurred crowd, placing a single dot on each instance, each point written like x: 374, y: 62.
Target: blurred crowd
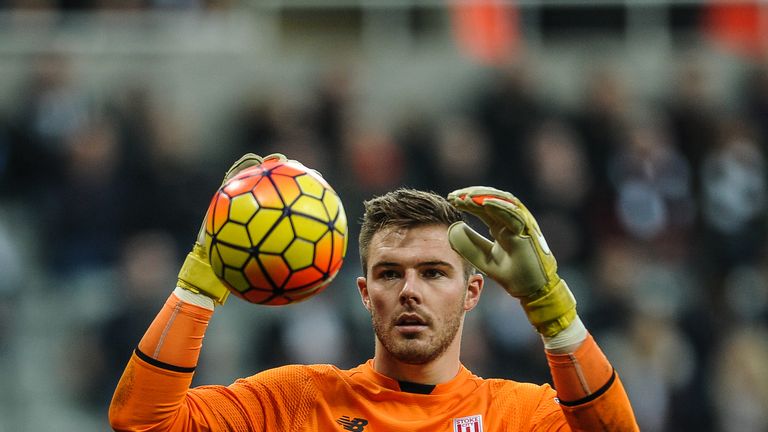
x: 656, y: 209
x: 57, y: 6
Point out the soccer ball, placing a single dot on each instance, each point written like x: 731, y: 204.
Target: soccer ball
x: 276, y: 233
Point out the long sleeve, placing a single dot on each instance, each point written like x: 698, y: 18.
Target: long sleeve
x: 590, y: 391
x: 153, y: 398
x: 152, y: 392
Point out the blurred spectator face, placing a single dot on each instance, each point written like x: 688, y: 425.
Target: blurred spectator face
x: 618, y: 264
x: 93, y: 151
x: 652, y: 182
x: 377, y: 160
x: 52, y: 71
x: 302, y: 144
x: 607, y: 93
x: 661, y: 291
x: 560, y: 182
x: 148, y: 266
x: 734, y: 184
x: 171, y: 137
x: 560, y: 165
x: 462, y: 150
x: 694, y: 85
x: 57, y: 107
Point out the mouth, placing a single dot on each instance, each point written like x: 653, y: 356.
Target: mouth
x: 410, y: 323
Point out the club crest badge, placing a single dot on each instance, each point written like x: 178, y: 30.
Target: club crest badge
x: 468, y: 424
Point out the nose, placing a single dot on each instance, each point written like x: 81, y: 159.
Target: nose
x: 411, y: 291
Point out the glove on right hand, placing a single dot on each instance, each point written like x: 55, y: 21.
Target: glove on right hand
x: 196, y: 274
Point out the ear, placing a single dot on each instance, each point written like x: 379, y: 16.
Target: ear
x: 474, y: 289
x: 362, y: 286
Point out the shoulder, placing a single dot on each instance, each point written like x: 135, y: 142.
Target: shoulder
x: 529, y: 406
x: 507, y: 385
x: 510, y: 391
x: 294, y: 375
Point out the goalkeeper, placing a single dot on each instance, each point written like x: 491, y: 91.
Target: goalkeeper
x: 419, y: 279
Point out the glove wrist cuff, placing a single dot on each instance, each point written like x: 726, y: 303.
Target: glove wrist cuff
x: 572, y: 335
x: 197, y: 276
x: 551, y: 309
x: 193, y: 298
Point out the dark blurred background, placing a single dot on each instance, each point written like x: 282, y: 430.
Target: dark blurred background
x: 636, y: 131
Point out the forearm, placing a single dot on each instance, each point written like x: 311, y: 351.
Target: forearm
x: 175, y: 337
x: 590, y: 391
x: 520, y: 260
x: 148, y: 398
x: 153, y: 388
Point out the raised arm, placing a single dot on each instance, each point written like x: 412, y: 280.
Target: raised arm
x: 518, y: 258
x: 153, y: 393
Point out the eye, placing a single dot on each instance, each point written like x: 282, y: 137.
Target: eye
x: 433, y: 273
x: 389, y: 274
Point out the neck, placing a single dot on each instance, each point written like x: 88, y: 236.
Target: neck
x: 440, y: 370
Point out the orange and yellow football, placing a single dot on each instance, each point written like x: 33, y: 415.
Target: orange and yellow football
x: 276, y: 233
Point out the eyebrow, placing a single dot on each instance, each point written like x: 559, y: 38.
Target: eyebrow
x: 436, y: 263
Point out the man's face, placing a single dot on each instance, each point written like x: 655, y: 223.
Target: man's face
x: 416, y: 292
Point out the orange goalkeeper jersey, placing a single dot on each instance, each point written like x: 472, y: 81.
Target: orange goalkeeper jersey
x: 324, y: 398
x: 154, y: 395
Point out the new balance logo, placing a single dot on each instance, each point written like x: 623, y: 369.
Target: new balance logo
x: 352, y: 424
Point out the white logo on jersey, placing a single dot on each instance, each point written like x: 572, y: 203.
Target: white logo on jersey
x: 468, y: 424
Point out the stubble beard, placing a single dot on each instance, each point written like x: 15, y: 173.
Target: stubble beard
x: 418, y: 349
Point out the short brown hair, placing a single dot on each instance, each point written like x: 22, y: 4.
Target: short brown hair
x: 405, y: 208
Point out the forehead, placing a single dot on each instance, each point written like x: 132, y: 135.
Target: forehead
x: 403, y: 245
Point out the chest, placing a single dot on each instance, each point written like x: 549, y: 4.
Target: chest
x: 409, y: 413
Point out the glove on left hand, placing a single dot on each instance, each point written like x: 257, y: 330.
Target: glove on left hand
x: 519, y: 258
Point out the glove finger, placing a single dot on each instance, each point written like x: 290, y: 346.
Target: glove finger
x: 473, y: 200
x: 276, y: 156
x: 472, y: 246
x: 499, y: 214
x: 246, y: 161
x: 507, y: 214
x: 464, y: 202
x: 479, y: 191
x: 520, y: 221
x: 282, y: 158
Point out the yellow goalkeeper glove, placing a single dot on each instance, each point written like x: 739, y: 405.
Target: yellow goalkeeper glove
x: 196, y: 274
x: 518, y: 258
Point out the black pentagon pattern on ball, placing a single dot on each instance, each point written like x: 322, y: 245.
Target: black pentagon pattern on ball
x: 286, y: 210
